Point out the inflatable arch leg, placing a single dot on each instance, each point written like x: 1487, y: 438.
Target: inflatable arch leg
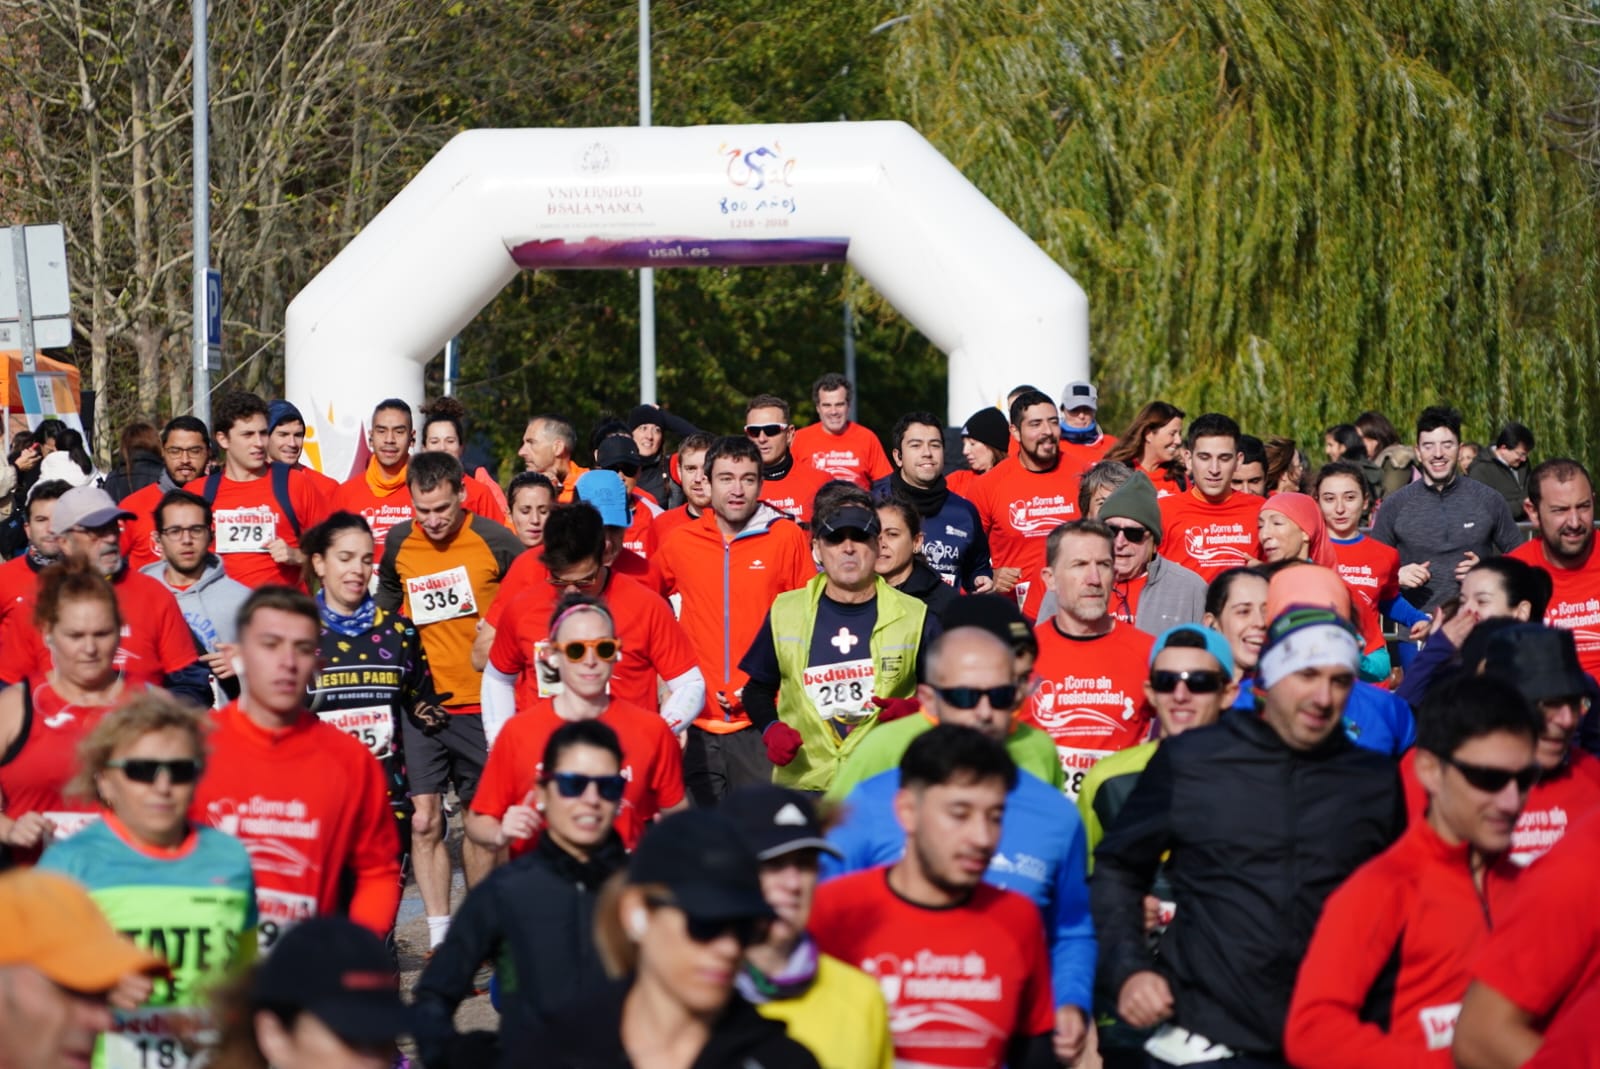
x: 493, y: 202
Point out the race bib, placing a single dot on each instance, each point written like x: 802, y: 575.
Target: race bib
x: 1076, y: 764
x: 153, y: 1038
x: 248, y: 530
x: 841, y: 692
x: 67, y: 825
x: 441, y: 596
x: 371, y: 725
x: 279, y: 911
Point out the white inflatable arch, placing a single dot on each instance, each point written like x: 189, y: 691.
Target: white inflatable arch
x: 492, y: 202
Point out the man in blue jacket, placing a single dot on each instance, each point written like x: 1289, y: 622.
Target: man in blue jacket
x: 1042, y: 851
x: 953, y: 541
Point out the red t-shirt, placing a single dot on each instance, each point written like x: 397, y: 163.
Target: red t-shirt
x: 641, y: 537
x: 155, y: 640
x: 19, y: 589
x: 310, y: 804
x: 1019, y: 508
x: 1206, y: 538
x: 1090, y: 696
x: 961, y: 983
x: 1080, y: 458
x: 1544, y: 952
x: 670, y: 521
x: 793, y: 494
x: 652, y: 763
x: 854, y: 454
x: 139, y: 540
x: 1558, y: 801
x: 35, y: 779
x: 381, y: 513
x: 1575, y: 603
x: 653, y: 644
x: 1372, y: 572
x: 246, y: 516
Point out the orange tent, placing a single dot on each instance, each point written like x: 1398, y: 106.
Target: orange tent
x: 66, y: 401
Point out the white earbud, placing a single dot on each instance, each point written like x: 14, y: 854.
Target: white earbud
x: 637, y: 922
x: 238, y: 666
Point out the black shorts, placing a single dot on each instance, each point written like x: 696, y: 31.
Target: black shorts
x: 455, y: 755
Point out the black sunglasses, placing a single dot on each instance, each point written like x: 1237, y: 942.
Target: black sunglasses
x: 765, y: 430
x: 1134, y: 535
x: 1200, y: 680
x: 627, y: 471
x: 747, y: 930
x: 835, y: 536
x: 1001, y: 697
x: 1494, y: 780
x: 576, y: 785
x: 148, y: 769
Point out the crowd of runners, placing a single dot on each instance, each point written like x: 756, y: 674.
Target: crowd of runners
x: 801, y: 746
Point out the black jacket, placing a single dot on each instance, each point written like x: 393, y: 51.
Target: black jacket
x: 588, y: 1035
x: 535, y: 919
x: 928, y: 587
x: 1259, y: 835
x: 146, y: 468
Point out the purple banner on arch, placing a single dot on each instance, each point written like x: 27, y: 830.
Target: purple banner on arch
x: 558, y: 253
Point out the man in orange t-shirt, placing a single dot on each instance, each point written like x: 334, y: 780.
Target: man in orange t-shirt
x: 726, y: 568
x: 379, y: 494
x: 1022, y: 500
x: 836, y: 445
x: 184, y: 448
x: 1561, y: 506
x: 1091, y: 667
x: 548, y: 445
x: 256, y: 535
x: 788, y: 485
x: 1212, y: 527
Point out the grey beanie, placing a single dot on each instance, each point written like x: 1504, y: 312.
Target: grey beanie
x: 1135, y: 500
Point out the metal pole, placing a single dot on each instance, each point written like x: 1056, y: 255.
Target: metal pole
x: 647, y: 276
x: 452, y: 364
x: 19, y: 256
x: 202, y: 211
x: 850, y: 348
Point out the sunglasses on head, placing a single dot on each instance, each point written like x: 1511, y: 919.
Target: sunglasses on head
x: 148, y: 769
x: 1494, y: 780
x: 1200, y: 681
x: 1001, y: 697
x: 837, y: 536
x: 747, y: 930
x: 576, y: 785
x: 604, y: 648
x: 1135, y: 535
x: 765, y: 430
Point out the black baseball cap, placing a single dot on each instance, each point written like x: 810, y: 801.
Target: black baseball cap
x: 994, y: 613
x: 341, y: 974
x: 775, y: 821
x: 617, y: 451
x: 852, y: 517
x: 703, y: 861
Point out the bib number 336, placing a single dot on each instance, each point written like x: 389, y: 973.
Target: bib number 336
x: 441, y: 596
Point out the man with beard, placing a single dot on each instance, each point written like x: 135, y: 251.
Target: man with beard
x: 184, y: 448
x: 953, y: 542
x: 1022, y: 500
x: 1561, y: 506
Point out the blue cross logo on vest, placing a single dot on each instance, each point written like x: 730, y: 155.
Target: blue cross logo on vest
x: 844, y: 641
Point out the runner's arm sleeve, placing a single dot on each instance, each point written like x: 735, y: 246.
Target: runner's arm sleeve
x: 374, y: 859
x: 1359, y: 932
x: 686, y: 699
x: 498, y: 698
x: 1071, y: 929
x: 1125, y: 866
x: 1402, y: 611
x: 1435, y: 655
x: 446, y: 979
x: 760, y: 663
x: 390, y: 594
x: 760, y: 702
x: 193, y: 682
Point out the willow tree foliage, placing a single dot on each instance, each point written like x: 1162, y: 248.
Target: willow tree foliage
x: 1290, y: 209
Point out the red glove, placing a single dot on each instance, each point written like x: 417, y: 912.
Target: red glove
x: 782, y: 741
x: 894, y: 708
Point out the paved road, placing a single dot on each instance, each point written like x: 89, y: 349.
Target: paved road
x: 411, y: 936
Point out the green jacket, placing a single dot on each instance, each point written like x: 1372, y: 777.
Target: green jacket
x: 892, y: 651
